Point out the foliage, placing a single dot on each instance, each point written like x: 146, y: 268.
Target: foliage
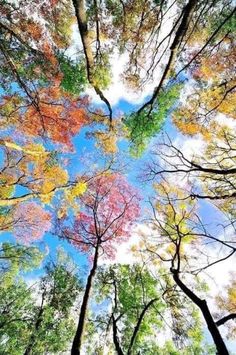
x: 57, y: 116
x: 145, y: 125
x: 31, y: 222
x: 74, y: 79
x: 28, y: 221
x: 134, y: 300
x: 37, y: 318
x: 17, y: 258
x: 130, y: 289
x: 109, y: 208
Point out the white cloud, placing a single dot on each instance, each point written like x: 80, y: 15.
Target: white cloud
x: 124, y: 254
x: 190, y: 146
x: 76, y: 44
x: 118, y: 90
x: 225, y: 121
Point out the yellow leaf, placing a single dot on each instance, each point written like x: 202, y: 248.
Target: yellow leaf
x: 47, y: 198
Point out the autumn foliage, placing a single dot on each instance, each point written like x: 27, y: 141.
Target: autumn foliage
x: 56, y: 116
x: 109, y: 207
x: 31, y: 221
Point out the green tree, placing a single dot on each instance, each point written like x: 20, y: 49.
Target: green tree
x: 37, y: 318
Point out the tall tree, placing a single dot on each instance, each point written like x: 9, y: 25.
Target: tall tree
x: 97, y: 64
x: 33, y: 318
x: 53, y: 325
x: 136, y: 303
x: 109, y: 208
x: 182, y: 242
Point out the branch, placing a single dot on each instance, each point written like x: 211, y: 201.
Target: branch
x: 225, y: 319
x: 140, y: 319
x: 216, y: 197
x: 14, y: 200
x: 186, y: 15
x: 115, y: 336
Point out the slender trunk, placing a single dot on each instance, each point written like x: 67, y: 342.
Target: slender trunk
x: 29, y: 349
x: 202, y: 304
x: 77, y: 342
x: 180, y: 33
x: 136, y: 329
x: 115, y: 337
x: 80, y: 13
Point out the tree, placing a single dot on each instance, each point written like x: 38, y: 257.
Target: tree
x: 182, y: 242
x: 52, y: 325
x: 136, y: 305
x: 34, y: 318
x: 109, y: 208
x: 16, y: 302
x: 213, y: 169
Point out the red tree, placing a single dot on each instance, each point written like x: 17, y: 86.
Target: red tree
x: 56, y: 115
x: 110, y: 207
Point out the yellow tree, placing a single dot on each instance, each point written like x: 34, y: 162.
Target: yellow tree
x: 180, y: 239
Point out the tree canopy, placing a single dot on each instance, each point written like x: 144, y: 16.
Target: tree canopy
x: 117, y: 177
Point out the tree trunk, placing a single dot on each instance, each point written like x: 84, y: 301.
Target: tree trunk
x: 77, y: 342
x: 181, y: 31
x: 29, y: 349
x: 80, y: 13
x: 115, y: 337
x: 202, y: 304
x: 139, y: 322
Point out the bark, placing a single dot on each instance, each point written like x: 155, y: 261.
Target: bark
x: 202, y: 304
x: 77, y: 342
